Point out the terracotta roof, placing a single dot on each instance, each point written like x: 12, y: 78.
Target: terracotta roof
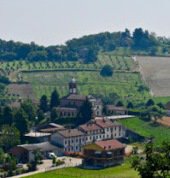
x: 76, y: 97
x: 71, y: 133
x: 105, y: 123
x: 89, y: 127
x: 110, y: 144
x: 116, y: 108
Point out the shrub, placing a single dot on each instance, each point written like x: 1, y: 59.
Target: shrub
x: 106, y: 71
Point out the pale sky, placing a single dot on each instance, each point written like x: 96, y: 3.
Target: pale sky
x: 51, y: 22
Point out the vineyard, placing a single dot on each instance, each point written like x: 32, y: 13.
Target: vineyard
x: 45, y: 76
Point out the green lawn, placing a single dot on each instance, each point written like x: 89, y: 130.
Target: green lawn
x: 122, y: 171
x: 147, y: 129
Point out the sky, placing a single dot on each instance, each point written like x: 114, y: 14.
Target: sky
x: 52, y: 22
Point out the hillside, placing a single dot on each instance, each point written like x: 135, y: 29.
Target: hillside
x: 156, y: 73
x: 44, y: 68
x: 87, y: 47
x: 45, y: 76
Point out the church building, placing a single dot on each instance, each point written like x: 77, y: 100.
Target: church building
x: 71, y: 103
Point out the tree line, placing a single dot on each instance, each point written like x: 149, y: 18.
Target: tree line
x: 85, y: 48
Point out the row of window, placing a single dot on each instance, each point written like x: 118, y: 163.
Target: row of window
x: 91, y: 138
x: 118, y: 128
x: 69, y: 114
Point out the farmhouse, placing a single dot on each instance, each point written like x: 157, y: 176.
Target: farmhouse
x: 73, y: 140
x: 101, y: 154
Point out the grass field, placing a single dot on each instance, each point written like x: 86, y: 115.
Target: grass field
x: 147, y: 129
x: 122, y: 171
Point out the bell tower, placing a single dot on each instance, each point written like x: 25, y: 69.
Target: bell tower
x: 72, y: 86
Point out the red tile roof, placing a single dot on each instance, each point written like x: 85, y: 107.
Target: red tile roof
x: 110, y: 144
x: 76, y: 97
x: 89, y: 127
x: 71, y: 133
x: 104, y: 123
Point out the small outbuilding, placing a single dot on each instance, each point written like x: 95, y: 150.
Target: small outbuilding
x: 25, y: 153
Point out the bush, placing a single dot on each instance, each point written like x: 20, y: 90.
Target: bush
x: 59, y: 162
x: 106, y: 71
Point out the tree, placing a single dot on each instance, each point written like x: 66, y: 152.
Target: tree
x: 161, y: 105
x: 9, y: 137
x: 7, y: 116
x: 155, y: 163
x: 120, y: 103
x: 106, y: 71
x: 40, y: 116
x: 54, y: 114
x: 152, y: 113
x: 156, y: 112
x: 86, y: 112
x: 54, y: 102
x: 30, y: 110
x: 130, y: 105
x: 21, y: 121
x: 150, y: 102
x: 44, y: 103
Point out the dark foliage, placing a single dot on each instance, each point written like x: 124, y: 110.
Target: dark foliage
x: 106, y: 71
x: 44, y: 103
x: 85, y: 112
x: 54, y: 102
x: 85, y: 48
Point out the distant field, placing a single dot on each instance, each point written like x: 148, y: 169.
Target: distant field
x: 147, y: 129
x: 122, y: 171
x: 156, y: 73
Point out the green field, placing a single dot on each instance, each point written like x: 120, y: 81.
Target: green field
x: 122, y: 171
x: 147, y: 129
